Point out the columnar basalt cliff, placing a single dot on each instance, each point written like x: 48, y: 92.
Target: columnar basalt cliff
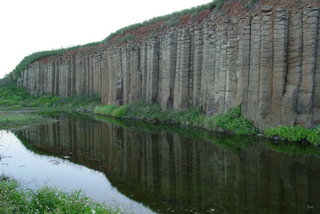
x: 266, y: 59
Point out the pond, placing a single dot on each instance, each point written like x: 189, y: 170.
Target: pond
x: 147, y: 168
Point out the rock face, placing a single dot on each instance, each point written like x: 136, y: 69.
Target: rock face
x: 267, y: 60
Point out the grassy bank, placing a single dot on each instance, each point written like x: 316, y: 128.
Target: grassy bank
x: 231, y: 121
x: 13, y: 97
x: 10, y: 120
x: 14, y: 200
x: 14, y: 101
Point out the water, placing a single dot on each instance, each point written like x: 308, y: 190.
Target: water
x: 146, y: 168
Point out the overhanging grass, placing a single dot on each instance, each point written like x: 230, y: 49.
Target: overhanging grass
x: 14, y: 200
x: 231, y: 121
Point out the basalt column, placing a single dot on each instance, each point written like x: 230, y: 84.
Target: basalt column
x: 183, y: 74
x: 152, y: 76
x: 168, y: 60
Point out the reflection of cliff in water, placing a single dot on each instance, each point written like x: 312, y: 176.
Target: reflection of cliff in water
x: 166, y: 170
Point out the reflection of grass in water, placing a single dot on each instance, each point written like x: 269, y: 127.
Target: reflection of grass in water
x: 231, y: 142
x: 13, y: 199
x: 10, y: 120
x: 291, y: 148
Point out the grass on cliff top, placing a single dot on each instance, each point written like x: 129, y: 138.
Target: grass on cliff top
x: 169, y: 19
x: 13, y: 97
x: 14, y: 200
x: 231, y: 121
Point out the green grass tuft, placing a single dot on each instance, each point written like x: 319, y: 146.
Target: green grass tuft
x: 14, y: 200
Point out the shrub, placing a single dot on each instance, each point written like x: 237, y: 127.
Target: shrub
x: 234, y: 122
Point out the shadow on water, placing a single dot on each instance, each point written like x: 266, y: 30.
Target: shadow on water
x: 178, y: 170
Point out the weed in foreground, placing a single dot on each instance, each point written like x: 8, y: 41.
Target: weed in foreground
x: 14, y: 200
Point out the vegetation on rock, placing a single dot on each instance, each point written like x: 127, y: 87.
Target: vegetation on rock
x: 231, y: 121
x: 14, y: 97
x: 295, y: 134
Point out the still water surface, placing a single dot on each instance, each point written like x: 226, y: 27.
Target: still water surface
x: 145, y: 168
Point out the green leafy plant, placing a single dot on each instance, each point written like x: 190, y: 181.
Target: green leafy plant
x: 234, y: 122
x: 314, y: 136
x: 295, y: 134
